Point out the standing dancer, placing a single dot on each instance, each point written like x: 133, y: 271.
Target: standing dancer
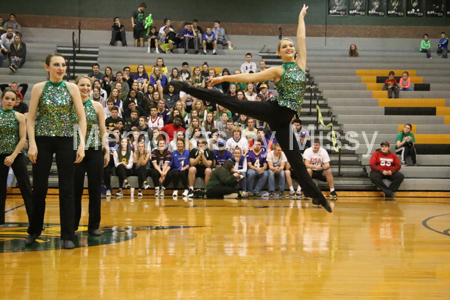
x: 290, y: 80
x: 59, y: 104
x: 94, y: 160
x: 13, y: 136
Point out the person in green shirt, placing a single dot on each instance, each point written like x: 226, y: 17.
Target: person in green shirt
x: 405, y: 145
x: 222, y: 182
x: 425, y: 46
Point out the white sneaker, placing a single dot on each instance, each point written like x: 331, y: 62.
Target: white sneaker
x: 156, y: 50
x: 292, y: 193
x: 161, y: 191
x: 157, y: 191
x: 265, y: 194
x: 119, y: 194
x: 175, y: 193
x: 148, y: 50
x: 108, y: 193
x: 140, y: 194
x: 186, y: 193
x: 146, y: 187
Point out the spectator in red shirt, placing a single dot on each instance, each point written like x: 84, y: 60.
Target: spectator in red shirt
x: 386, y: 165
x: 391, y: 85
x: 172, y: 129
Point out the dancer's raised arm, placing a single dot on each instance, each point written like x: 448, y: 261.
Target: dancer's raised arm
x: 301, y: 39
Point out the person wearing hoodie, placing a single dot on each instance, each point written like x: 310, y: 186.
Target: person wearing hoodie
x: 386, y: 165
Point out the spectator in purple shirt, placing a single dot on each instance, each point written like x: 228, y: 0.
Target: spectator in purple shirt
x: 257, y: 168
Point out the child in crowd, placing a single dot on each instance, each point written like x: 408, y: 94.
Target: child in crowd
x: 443, y: 46
x: 405, y: 82
x: 353, y: 52
x: 391, y: 85
x: 425, y: 46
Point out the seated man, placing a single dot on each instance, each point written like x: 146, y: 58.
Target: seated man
x: 124, y: 84
x: 190, y: 38
x: 221, y: 37
x: 167, y: 41
x: 405, y: 145
x: 385, y: 165
x: 201, y: 160
x: 114, y: 118
x: 6, y: 40
x: 237, y: 141
x: 12, y: 22
x: 118, y: 33
x: 209, y: 41
x: 265, y: 91
x: 257, y: 168
x: 171, y: 129
x: 248, y: 66
x: 95, y: 74
x: 132, y: 123
x: 276, y: 160
x: 221, y: 155
x: 317, y: 161
x: 250, y: 132
x: 15, y: 87
x: 132, y: 106
x: 163, y: 112
x: 185, y: 74
x: 155, y: 121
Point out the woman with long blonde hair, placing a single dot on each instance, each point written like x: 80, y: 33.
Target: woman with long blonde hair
x: 290, y: 80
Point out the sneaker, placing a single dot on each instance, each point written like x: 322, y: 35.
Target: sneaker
x: 300, y: 195
x: 148, y: 50
x: 333, y: 196
x: 175, y: 193
x: 415, y: 165
x: 214, y: 53
x: 251, y: 194
x: 156, y: 50
x: 140, y: 194
x: 126, y: 185
x: 281, y: 194
x: 157, y: 191
x: 161, y: 191
x: 186, y: 193
x: 12, y: 68
x: 257, y: 195
x: 190, y: 193
x: 265, y: 195
x: 244, y: 195
x: 185, y: 52
x: 404, y: 163
x: 198, y: 53
x: 119, y: 194
x: 204, y: 53
x: 108, y: 193
x: 146, y: 186
x: 271, y: 194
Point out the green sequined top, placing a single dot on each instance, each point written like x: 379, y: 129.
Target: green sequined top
x: 57, y: 114
x: 9, y: 131
x: 291, y: 87
x: 92, y: 135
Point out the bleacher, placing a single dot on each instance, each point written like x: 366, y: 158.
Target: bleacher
x: 351, y: 94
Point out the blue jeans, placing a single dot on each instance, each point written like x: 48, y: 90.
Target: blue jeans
x: 3, y: 56
x: 281, y: 180
x: 18, y: 63
x: 242, y: 184
x: 251, y: 175
x: 427, y: 51
x: 403, y: 89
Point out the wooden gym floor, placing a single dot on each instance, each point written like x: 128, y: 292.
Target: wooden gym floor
x: 216, y: 249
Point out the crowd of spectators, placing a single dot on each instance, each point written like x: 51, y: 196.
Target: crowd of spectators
x: 12, y: 49
x: 164, y: 40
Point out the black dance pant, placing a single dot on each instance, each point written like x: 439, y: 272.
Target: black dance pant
x: 218, y: 192
x: 279, y: 119
x: 92, y: 164
x: 19, y: 167
x: 156, y: 176
x: 178, y: 176
x: 123, y: 173
x: 63, y: 148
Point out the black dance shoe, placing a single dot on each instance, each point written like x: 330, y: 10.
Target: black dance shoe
x: 31, y: 239
x: 322, y: 201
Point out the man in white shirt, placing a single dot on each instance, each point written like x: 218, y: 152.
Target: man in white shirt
x: 250, y: 133
x: 155, y: 121
x: 248, y: 65
x: 276, y: 160
x: 167, y: 22
x: 6, y: 40
x: 237, y: 141
x: 317, y: 161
